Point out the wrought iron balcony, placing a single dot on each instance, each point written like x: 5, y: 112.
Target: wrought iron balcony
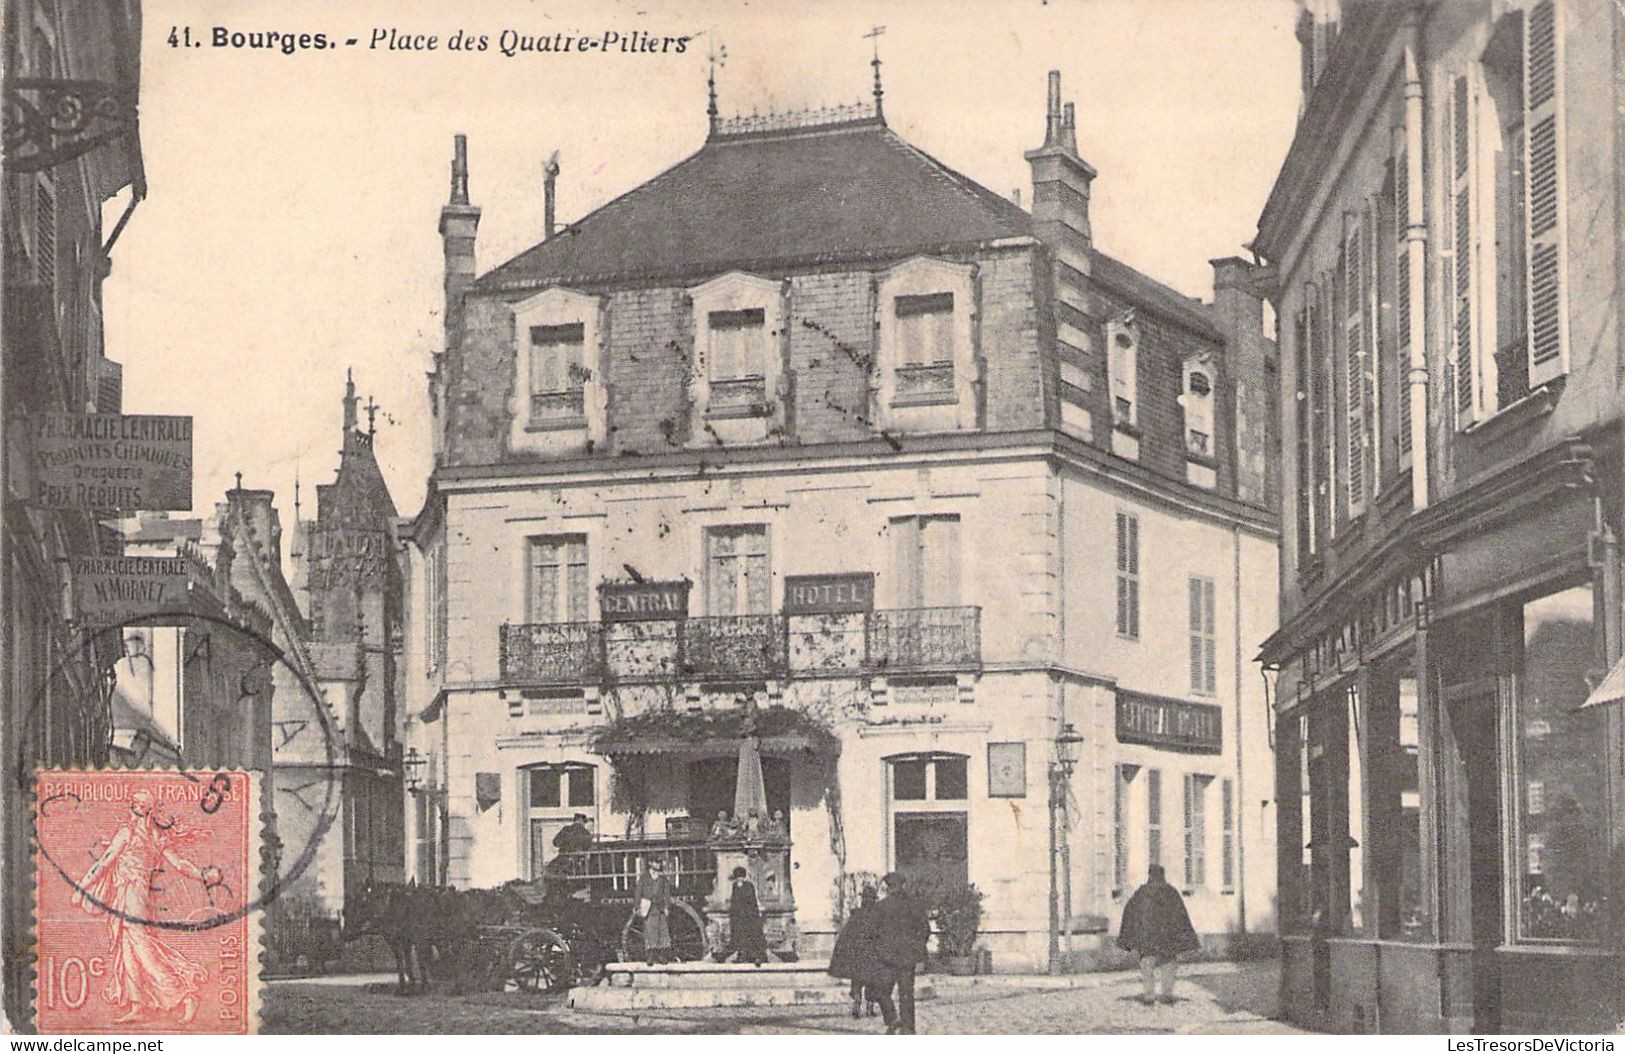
x: 733, y: 645
x: 552, y: 652
x: 925, y: 639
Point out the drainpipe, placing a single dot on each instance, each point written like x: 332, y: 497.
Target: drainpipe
x: 1240, y: 794
x: 1416, y: 237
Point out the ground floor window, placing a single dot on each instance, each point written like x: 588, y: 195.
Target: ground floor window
x: 931, y: 848
x: 1394, y: 799
x: 1561, y: 811
x: 553, y: 794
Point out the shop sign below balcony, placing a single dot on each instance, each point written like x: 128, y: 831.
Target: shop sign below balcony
x: 108, y: 462
x: 1171, y: 723
x: 643, y: 601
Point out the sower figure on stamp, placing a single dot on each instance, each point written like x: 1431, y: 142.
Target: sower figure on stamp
x: 653, y: 903
x: 1157, y: 928
x: 902, y: 934
x: 145, y: 973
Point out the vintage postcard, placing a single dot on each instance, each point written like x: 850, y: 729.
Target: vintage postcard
x: 857, y: 517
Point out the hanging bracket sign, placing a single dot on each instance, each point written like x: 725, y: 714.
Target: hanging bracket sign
x: 114, y: 589
x: 124, y: 462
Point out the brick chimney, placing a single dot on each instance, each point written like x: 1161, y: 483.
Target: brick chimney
x: 550, y: 179
x: 458, y: 222
x: 1249, y: 369
x: 1061, y: 184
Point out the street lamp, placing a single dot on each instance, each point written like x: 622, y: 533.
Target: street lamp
x: 412, y: 765
x: 1067, y: 745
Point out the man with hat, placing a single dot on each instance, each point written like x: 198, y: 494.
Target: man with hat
x: 574, y: 836
x: 902, y: 933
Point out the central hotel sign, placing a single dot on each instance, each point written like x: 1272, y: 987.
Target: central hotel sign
x: 1173, y: 723
x: 643, y: 601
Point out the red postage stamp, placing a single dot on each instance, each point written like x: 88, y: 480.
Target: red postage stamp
x: 146, y: 889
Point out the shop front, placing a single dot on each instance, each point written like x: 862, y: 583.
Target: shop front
x: 1445, y: 796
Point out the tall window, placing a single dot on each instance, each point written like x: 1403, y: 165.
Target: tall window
x: 1544, y: 191
x: 737, y: 573
x: 1128, y: 575
x: 1227, y: 851
x: 738, y: 343
x: 1304, y: 440
x: 1204, y: 667
x: 1355, y: 355
x: 553, y: 793
x: 1197, y: 400
x: 1153, y: 816
x: 1196, y: 830
x: 1457, y: 285
x: 1562, y: 856
x: 926, y: 558
x: 929, y: 821
x: 1122, y: 784
x: 1402, y: 302
x: 435, y: 607
x: 557, y: 590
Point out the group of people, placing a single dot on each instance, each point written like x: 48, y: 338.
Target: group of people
x: 751, y: 825
x: 883, y: 942
x: 747, y: 940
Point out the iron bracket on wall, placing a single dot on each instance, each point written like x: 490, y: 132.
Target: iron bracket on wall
x: 49, y: 121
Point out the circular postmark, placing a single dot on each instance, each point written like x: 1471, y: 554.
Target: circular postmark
x: 247, y: 693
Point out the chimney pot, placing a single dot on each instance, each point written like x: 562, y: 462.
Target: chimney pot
x: 1052, y: 113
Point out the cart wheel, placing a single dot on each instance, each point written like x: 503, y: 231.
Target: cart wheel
x: 687, y: 935
x: 541, y: 962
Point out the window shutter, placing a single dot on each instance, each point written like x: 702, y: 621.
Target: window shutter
x: 1462, y: 244
x: 1197, y: 648
x: 1210, y: 658
x: 1326, y: 405
x: 1304, y: 446
x: 1354, y: 375
x: 1153, y: 814
x: 1543, y: 193
x: 1190, y: 830
x: 906, y: 558
x: 940, y: 546
x: 1402, y: 306
x: 1370, y: 371
x: 1227, y: 865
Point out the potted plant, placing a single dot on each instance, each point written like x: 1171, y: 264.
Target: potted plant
x: 958, y: 911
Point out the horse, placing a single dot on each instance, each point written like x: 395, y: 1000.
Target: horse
x: 403, y: 916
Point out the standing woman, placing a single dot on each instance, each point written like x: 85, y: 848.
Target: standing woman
x: 747, y: 943
x: 652, y: 906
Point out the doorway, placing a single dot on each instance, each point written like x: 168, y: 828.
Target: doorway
x: 1476, y: 876
x: 711, y: 786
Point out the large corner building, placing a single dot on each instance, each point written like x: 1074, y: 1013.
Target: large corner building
x: 811, y: 425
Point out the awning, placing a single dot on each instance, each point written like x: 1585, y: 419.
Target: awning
x: 715, y: 734
x: 1611, y: 690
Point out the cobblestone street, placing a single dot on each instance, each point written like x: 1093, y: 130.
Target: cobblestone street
x: 1215, y: 998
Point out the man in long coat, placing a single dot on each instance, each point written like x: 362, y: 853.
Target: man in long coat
x: 854, y: 959
x: 1157, y: 928
x: 902, y: 932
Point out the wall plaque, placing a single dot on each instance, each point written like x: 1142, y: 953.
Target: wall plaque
x: 1161, y: 722
x: 643, y: 601
x: 829, y: 594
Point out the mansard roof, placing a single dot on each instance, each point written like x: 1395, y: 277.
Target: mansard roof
x: 787, y: 197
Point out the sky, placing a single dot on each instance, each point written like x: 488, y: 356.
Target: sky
x: 290, y: 228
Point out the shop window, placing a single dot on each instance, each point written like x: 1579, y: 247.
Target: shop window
x: 1561, y: 815
x: 929, y: 826
x: 1395, y: 802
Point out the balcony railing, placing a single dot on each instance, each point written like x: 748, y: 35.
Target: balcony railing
x: 733, y: 645
x: 925, y: 639
x: 552, y: 652
x: 745, y: 647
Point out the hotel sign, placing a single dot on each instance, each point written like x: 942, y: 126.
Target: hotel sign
x: 1173, y: 723
x: 643, y: 601
x: 829, y: 594
x: 114, y: 589
x: 130, y: 462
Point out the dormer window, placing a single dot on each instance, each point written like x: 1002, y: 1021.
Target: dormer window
x: 558, y: 373
x: 559, y: 396
x: 926, y: 366
x: 1123, y: 342
x: 738, y: 348
x: 1197, y: 399
x: 737, y: 379
x: 925, y: 340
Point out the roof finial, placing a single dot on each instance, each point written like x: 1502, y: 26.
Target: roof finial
x: 719, y: 57
x: 349, y: 401
x: 875, y: 35
x: 372, y: 417
x: 296, y: 492
x: 239, y: 481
